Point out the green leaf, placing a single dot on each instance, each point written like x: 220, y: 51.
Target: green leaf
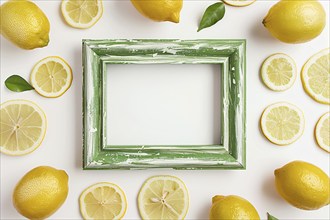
x: 16, y: 83
x: 212, y: 15
x: 270, y: 217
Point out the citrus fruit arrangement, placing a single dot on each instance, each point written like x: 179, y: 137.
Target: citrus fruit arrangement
x: 23, y: 123
x: 283, y: 123
x: 51, y: 77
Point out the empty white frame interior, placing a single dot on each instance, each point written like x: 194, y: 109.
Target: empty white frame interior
x: 163, y: 104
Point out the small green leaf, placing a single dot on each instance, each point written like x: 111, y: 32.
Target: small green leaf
x: 212, y: 15
x: 16, y: 83
x: 270, y: 217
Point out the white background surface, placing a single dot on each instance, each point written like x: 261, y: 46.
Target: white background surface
x: 62, y: 146
x: 163, y: 104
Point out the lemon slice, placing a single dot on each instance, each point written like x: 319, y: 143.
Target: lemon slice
x: 22, y: 127
x: 315, y: 76
x: 322, y: 132
x: 51, y: 77
x: 82, y: 13
x: 163, y: 197
x: 282, y: 123
x: 103, y: 201
x: 238, y: 3
x: 279, y: 72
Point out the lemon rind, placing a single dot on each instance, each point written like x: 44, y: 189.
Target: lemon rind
x: 44, y: 127
x: 268, y: 82
x: 318, y: 126
x: 275, y: 140
x: 74, y: 24
x: 101, y: 184
x: 304, y: 77
x: 145, y: 185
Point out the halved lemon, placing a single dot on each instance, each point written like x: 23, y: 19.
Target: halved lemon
x: 315, y: 76
x: 279, y: 72
x: 163, y: 197
x: 282, y: 123
x: 322, y: 132
x: 103, y: 201
x: 51, y: 77
x: 239, y: 3
x: 82, y: 13
x: 22, y: 127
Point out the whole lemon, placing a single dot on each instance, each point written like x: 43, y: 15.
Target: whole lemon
x: 40, y: 192
x: 232, y: 208
x: 159, y: 10
x: 295, y: 21
x: 24, y: 24
x: 303, y: 185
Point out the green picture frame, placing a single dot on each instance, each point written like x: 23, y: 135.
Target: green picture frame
x: 229, y: 54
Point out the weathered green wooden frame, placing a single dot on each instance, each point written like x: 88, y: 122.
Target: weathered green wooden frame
x: 230, y: 54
